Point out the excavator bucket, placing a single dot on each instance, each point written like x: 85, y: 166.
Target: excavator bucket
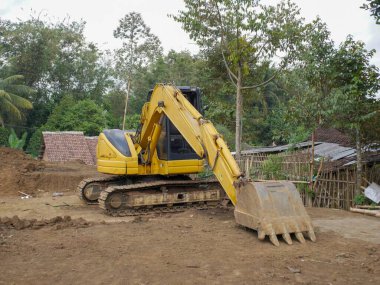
x: 273, y: 208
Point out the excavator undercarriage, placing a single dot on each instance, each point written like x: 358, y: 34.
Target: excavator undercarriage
x: 127, y: 196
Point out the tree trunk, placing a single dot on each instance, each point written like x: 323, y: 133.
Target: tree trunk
x: 239, y: 104
x: 358, y: 162
x: 126, y: 102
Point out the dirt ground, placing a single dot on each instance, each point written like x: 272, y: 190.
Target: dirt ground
x: 20, y: 172
x: 191, y: 247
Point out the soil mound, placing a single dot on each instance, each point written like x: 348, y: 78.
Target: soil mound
x: 57, y: 222
x: 21, y: 172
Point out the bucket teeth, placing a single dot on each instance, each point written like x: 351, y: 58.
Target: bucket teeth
x: 261, y: 235
x: 300, y: 237
x: 287, y: 238
x: 311, y: 235
x: 274, y: 240
x: 285, y: 235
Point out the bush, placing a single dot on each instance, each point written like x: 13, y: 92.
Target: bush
x: 71, y: 115
x: 272, y: 167
x: 34, y: 144
x: 15, y: 142
x: 4, y: 135
x: 362, y: 200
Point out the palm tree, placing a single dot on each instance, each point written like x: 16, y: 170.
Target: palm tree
x: 12, y: 102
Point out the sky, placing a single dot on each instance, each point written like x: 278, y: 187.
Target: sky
x: 343, y: 17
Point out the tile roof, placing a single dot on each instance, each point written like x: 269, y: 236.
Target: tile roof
x: 66, y: 146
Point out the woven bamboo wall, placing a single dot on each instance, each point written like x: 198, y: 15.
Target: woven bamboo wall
x: 333, y: 186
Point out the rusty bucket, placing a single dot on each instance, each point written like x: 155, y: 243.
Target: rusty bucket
x: 273, y: 208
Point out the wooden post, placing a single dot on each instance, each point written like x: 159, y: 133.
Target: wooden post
x: 358, y: 162
x: 309, y: 196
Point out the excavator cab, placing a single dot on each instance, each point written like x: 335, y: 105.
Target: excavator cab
x: 171, y: 144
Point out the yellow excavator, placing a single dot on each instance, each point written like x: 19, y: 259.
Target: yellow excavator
x: 150, y: 171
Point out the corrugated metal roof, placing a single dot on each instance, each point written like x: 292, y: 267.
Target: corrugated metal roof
x: 332, y: 151
x: 280, y: 148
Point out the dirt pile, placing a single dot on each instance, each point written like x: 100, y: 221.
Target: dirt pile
x: 21, y: 172
x: 57, y: 222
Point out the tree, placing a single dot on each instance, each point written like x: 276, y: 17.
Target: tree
x: 114, y: 104
x: 140, y: 47
x: 71, y: 115
x: 374, y: 7
x: 12, y: 104
x: 247, y: 34
x: 354, y: 102
x: 55, y: 60
x: 310, y: 85
x: 310, y: 82
x: 180, y: 68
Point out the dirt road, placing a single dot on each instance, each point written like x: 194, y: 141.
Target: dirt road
x: 192, y: 247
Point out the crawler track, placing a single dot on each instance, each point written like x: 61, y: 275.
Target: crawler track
x: 103, y: 183
x: 149, y: 197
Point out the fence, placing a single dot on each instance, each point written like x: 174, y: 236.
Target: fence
x: 333, y: 185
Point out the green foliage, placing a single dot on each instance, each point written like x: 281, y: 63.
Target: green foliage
x: 34, y: 144
x: 309, y: 86
x: 354, y: 101
x: 140, y: 48
x: 324, y: 85
x: 247, y: 36
x: 305, y: 188
x: 71, y: 115
x: 132, y: 122
x: 54, y: 58
x: 362, y: 200
x: 15, y: 142
x: 272, y: 167
x: 334, y: 87
x: 228, y: 136
x: 206, y: 173
x: 4, y: 135
x: 12, y: 101
x: 374, y: 7
x: 285, y: 128
x: 114, y: 104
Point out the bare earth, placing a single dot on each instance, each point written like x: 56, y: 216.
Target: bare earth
x: 192, y: 247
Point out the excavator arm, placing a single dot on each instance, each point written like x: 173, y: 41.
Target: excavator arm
x: 198, y: 132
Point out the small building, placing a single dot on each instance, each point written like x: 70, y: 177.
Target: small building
x: 331, y: 144
x: 68, y: 146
